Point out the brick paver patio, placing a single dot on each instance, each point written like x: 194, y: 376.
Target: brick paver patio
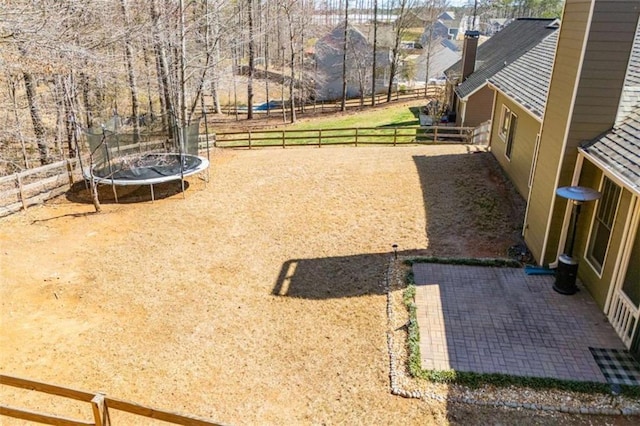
x: 500, y: 320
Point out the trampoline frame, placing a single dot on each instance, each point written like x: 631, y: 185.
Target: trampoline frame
x: 204, y: 164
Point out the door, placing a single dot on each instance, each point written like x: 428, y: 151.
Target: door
x: 624, y: 309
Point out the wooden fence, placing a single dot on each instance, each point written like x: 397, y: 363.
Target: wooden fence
x: 429, y: 92
x: 482, y: 133
x: 100, y: 406
x: 345, y: 136
x: 34, y: 186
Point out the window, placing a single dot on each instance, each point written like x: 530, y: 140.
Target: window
x: 504, y: 122
x: 603, y: 223
x: 508, y: 122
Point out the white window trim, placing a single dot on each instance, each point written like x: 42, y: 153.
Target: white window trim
x: 513, y: 116
x: 593, y: 219
x: 501, y: 131
x: 534, y: 160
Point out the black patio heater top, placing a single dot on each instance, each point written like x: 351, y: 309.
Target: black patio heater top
x: 567, y: 271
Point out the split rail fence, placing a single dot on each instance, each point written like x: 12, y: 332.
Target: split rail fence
x: 35, y: 186
x: 100, y: 407
x: 346, y: 136
x: 428, y: 92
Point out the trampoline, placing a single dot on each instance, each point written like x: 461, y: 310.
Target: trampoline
x: 124, y: 159
x: 149, y: 169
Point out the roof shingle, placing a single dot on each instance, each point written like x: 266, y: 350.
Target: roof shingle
x: 619, y: 150
x: 502, y: 49
x: 527, y: 79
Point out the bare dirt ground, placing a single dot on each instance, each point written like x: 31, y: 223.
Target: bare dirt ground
x: 259, y: 298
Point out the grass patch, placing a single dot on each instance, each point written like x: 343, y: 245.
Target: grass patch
x: 500, y: 263
x: 373, y: 117
x: 476, y: 380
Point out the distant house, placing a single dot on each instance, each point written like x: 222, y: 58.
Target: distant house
x: 444, y: 53
x: 446, y: 26
x: 329, y: 64
x: 495, y: 25
x: 565, y: 119
x: 468, y: 94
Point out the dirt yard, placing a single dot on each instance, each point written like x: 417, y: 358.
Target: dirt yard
x: 257, y: 299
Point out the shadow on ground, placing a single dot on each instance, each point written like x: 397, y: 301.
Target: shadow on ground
x: 79, y: 192
x: 472, y: 210
x: 332, y: 277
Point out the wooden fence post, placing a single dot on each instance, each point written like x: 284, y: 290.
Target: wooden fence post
x: 249, y: 139
x: 100, y: 411
x: 435, y: 133
x: 22, y: 200
x: 356, y: 136
x: 283, y: 139
x: 395, y: 135
x: 70, y: 172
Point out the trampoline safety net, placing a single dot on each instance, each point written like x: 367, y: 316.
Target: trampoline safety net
x: 149, y: 157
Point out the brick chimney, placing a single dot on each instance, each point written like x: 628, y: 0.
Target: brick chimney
x: 469, y: 50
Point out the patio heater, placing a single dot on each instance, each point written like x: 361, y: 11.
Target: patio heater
x: 567, y: 271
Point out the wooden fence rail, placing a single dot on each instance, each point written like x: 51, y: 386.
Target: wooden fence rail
x: 34, y: 186
x: 431, y: 91
x: 100, y: 405
x: 345, y: 136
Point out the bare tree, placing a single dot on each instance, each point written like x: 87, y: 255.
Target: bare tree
x: 133, y: 86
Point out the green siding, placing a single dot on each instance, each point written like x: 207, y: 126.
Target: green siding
x: 595, y: 102
x: 519, y: 166
x: 598, y: 286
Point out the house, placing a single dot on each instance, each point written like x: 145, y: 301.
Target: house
x: 329, y: 64
x: 495, y: 25
x: 446, y: 26
x: 567, y: 113
x: 468, y: 93
x: 442, y: 54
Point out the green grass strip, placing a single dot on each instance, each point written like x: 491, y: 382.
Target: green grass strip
x: 501, y: 263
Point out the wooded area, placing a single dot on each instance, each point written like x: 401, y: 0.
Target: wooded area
x: 71, y: 65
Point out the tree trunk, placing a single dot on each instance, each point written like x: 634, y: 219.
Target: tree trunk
x: 36, y: 119
x: 343, y: 103
x: 14, y: 101
x: 251, y: 62
x: 395, y: 52
x: 163, y: 65
x: 133, y: 87
x: 375, y: 52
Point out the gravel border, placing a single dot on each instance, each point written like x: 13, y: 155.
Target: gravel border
x: 510, y: 397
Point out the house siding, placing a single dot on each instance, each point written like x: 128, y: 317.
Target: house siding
x: 519, y: 166
x: 598, y: 285
x: 478, y: 109
x: 596, y: 102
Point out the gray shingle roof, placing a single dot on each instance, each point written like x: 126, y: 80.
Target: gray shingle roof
x: 619, y: 150
x: 630, y: 98
x: 503, y: 48
x: 527, y: 79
